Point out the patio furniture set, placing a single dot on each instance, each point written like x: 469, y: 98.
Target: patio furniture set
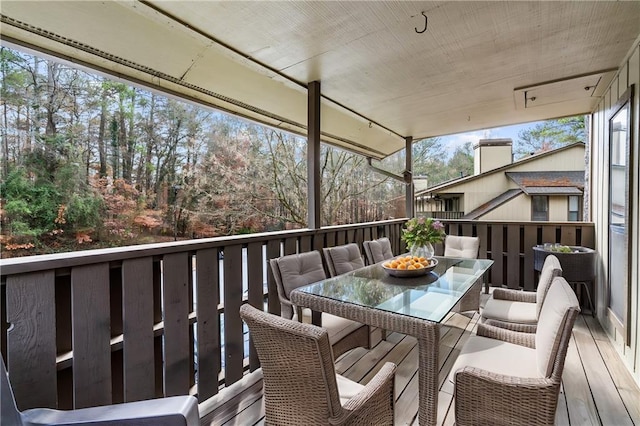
x: 517, y: 354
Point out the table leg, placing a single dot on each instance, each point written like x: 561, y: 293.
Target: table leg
x: 428, y: 370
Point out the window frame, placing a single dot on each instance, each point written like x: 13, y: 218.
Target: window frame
x: 534, y: 211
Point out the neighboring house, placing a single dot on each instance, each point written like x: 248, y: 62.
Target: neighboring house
x: 542, y: 187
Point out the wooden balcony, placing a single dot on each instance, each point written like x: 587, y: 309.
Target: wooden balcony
x: 124, y: 324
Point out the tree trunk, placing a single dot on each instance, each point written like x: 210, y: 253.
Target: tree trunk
x: 102, y: 151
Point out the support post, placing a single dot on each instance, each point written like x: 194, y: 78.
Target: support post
x: 313, y: 155
x: 409, y: 208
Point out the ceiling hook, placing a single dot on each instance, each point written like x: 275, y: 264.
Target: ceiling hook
x: 426, y: 21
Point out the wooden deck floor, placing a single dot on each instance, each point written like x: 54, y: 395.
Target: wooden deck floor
x: 597, y: 388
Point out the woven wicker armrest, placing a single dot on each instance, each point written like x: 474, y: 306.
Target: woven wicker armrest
x: 514, y: 295
x: 287, y: 308
x: 482, y: 397
x: 523, y: 328
x: 374, y: 403
x: 510, y: 336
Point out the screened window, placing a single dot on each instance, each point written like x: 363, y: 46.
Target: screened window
x: 574, y: 208
x: 539, y: 207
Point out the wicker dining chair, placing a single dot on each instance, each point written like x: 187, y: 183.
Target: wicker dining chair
x: 466, y: 248
x: 343, y: 259
x: 505, y: 377
x: 297, y: 270
x: 172, y: 411
x: 300, y: 385
x: 377, y: 250
x: 520, y: 310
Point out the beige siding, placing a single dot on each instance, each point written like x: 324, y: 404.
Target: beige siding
x: 517, y: 209
x: 629, y: 74
x: 479, y: 191
x: 558, y: 208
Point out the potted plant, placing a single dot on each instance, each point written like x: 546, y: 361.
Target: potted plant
x: 420, y: 234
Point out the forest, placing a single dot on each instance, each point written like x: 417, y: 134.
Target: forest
x: 88, y: 162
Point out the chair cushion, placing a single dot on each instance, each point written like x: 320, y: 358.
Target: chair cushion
x: 379, y: 250
x: 337, y: 327
x: 559, y: 300
x: 347, y: 388
x: 550, y: 269
x: 300, y: 269
x: 345, y: 258
x: 510, y: 311
x: 465, y: 247
x: 496, y: 356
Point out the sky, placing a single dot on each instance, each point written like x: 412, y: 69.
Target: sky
x: 454, y: 141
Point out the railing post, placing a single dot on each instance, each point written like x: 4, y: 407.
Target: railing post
x: 409, y: 207
x: 313, y: 156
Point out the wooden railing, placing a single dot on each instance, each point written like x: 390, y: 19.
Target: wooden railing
x: 105, y: 326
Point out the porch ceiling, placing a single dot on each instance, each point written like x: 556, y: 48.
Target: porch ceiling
x: 479, y: 64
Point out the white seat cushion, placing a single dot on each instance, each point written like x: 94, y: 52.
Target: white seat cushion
x: 560, y: 298
x: 510, y: 311
x: 337, y: 327
x: 347, y: 389
x: 498, y: 357
x: 465, y: 247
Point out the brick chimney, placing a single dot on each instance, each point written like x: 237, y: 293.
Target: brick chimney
x: 489, y: 154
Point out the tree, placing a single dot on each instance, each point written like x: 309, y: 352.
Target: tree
x: 550, y: 134
x: 461, y: 162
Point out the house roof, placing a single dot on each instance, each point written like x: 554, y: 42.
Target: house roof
x: 388, y: 70
x: 549, y: 182
x: 446, y: 185
x: 492, y: 204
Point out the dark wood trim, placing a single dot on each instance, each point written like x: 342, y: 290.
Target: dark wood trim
x: 410, y: 197
x: 314, y: 202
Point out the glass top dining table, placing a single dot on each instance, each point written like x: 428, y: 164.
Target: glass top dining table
x: 409, y: 305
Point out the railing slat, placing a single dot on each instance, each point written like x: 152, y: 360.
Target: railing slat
x: 530, y: 240
x: 273, y: 303
x: 497, y: 238
x: 207, y: 299
x: 256, y: 290
x: 305, y: 243
x: 319, y: 241
x: 176, y: 323
x: 481, y: 232
x: 588, y: 237
x: 233, y: 338
x: 568, y: 235
x: 513, y: 256
x: 548, y: 233
x: 31, y: 340
x: 137, y: 315
x: 91, y: 335
x: 290, y: 245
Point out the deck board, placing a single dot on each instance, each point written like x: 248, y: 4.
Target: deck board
x: 597, y: 388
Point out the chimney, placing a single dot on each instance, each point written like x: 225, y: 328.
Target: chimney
x: 489, y: 154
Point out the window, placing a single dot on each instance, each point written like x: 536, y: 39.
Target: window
x: 621, y: 198
x: 574, y: 208
x: 539, y: 208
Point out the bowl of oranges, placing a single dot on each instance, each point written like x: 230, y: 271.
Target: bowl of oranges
x: 409, y: 266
